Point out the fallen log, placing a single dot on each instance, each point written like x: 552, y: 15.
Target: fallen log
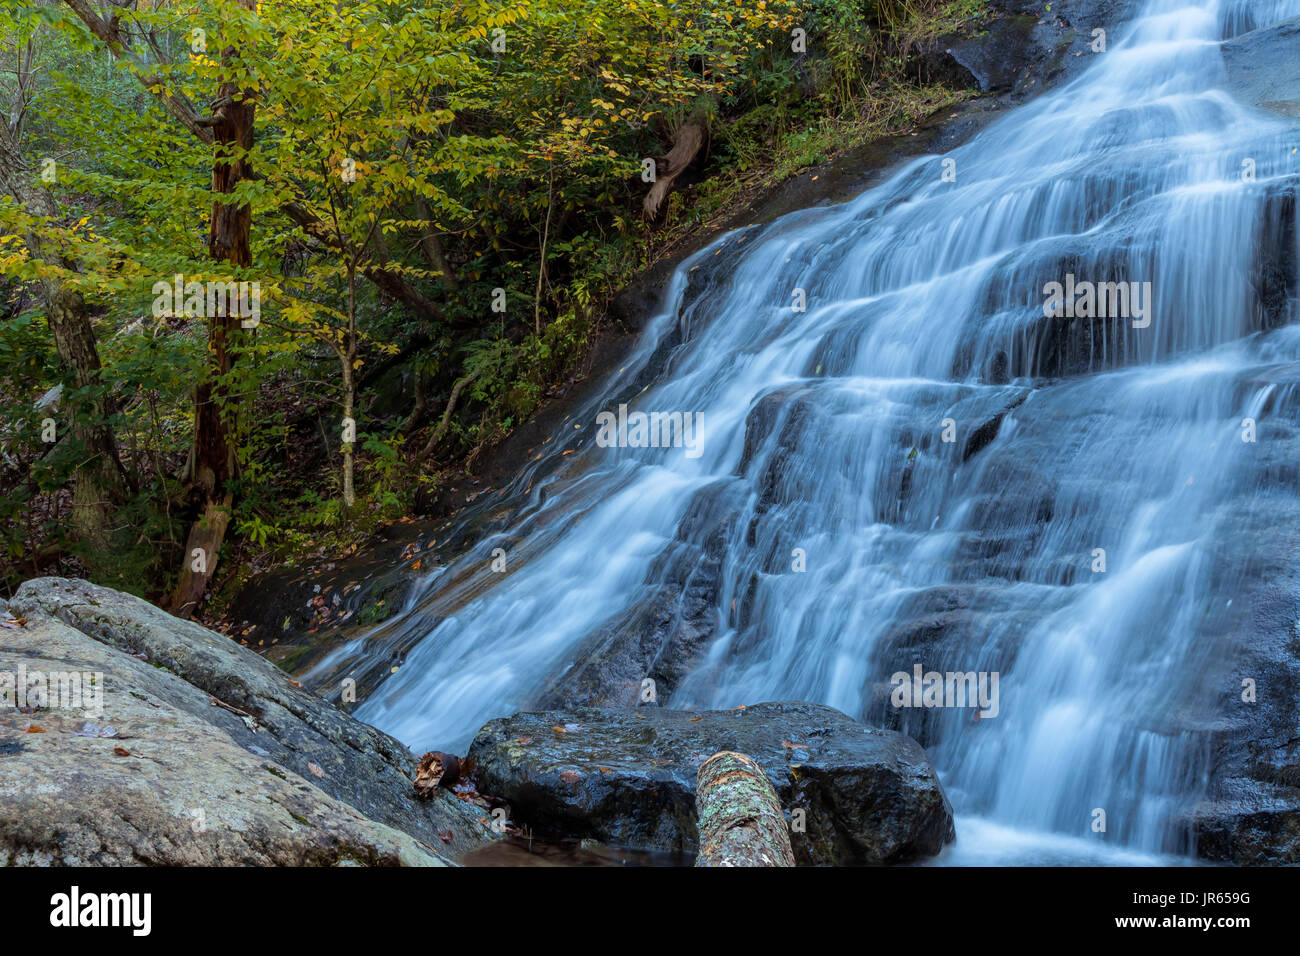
x: 436, y: 769
x: 740, y: 818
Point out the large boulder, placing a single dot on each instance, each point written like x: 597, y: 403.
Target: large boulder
x: 853, y: 794
x: 214, y: 734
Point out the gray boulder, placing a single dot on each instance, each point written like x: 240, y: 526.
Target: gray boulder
x: 276, y: 774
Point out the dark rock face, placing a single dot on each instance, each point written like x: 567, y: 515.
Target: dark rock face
x: 1022, y: 50
x: 260, y: 710
x: 1251, y: 812
x: 661, y: 638
x: 1277, y: 272
x: 629, y: 777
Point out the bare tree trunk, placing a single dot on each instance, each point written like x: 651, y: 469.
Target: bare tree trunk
x: 690, y: 137
x: 390, y: 282
x: 348, y: 353
x: 740, y: 817
x: 214, y: 442
x: 541, y: 269
x: 100, y: 478
x: 456, y: 389
x: 431, y: 245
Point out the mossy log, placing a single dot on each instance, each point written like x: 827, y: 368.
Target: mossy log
x: 740, y: 818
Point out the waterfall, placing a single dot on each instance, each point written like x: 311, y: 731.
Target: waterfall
x: 903, y: 459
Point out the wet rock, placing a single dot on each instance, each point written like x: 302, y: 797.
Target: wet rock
x: 982, y: 415
x: 1022, y: 49
x: 629, y: 778
x: 662, y: 637
x: 1252, y: 824
x: 1263, y: 68
x: 152, y: 775
x: 1276, y: 276
x: 1251, y: 811
x: 260, y: 709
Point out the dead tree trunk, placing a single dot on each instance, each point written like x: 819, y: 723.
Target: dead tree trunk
x: 100, y: 478
x: 740, y: 818
x: 390, y: 281
x: 689, y: 139
x: 214, y: 441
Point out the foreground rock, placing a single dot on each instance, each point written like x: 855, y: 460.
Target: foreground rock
x: 629, y: 777
x: 197, y: 752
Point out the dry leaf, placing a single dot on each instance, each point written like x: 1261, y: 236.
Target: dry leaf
x: 315, y: 769
x: 121, y: 752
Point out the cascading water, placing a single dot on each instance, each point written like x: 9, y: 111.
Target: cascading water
x: 1082, y: 534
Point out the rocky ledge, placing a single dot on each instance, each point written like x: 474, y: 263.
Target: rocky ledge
x: 188, y: 749
x: 128, y: 736
x: 851, y: 794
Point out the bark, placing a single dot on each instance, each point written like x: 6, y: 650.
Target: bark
x: 348, y: 357
x: 689, y: 139
x: 541, y: 268
x: 389, y: 281
x: 740, y: 817
x: 100, y: 478
x: 349, y: 463
x: 431, y: 246
x: 438, y: 432
x: 436, y: 769
x: 420, y: 404
x: 213, y: 454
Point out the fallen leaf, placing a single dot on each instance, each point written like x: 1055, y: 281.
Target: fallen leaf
x: 315, y: 769
x: 121, y: 752
x: 570, y: 776
x: 35, y: 729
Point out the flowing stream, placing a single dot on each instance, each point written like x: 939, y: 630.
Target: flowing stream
x: 1081, y: 535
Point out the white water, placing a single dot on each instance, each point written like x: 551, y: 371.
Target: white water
x: 920, y: 293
